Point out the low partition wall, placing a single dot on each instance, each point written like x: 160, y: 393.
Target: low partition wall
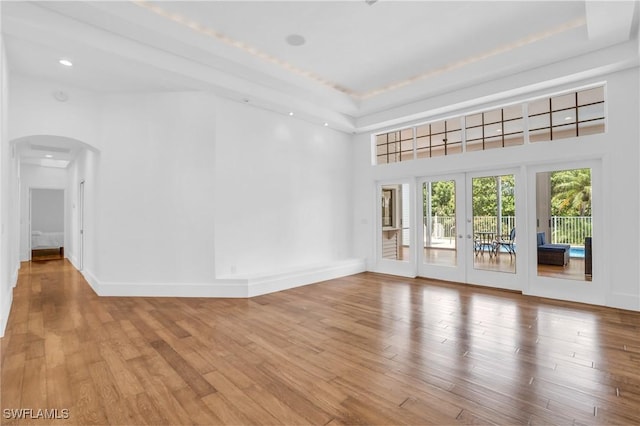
x: 231, y: 286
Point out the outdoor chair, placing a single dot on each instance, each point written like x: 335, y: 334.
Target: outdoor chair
x: 552, y: 254
x: 484, y: 241
x: 508, y: 242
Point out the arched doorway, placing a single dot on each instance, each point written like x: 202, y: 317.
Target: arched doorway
x: 55, y: 163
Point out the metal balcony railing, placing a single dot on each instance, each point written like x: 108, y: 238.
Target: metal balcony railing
x: 564, y: 229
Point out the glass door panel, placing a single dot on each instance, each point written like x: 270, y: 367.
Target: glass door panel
x: 395, y: 222
x: 441, y: 207
x: 439, y: 222
x: 495, y: 202
x: 494, y: 223
x: 564, y: 224
x: 396, y: 229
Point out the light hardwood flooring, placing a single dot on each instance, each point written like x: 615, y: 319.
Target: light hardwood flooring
x: 504, y: 263
x: 365, y: 349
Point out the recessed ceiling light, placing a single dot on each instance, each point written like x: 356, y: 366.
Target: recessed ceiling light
x: 66, y: 62
x: 295, y: 40
x: 326, y: 124
x: 49, y: 156
x: 568, y: 117
x: 61, y: 96
x: 291, y: 113
x: 499, y: 131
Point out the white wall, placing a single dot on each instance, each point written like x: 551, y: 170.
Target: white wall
x: 9, y: 200
x: 157, y: 188
x: 621, y: 172
x: 283, y: 192
x: 34, y: 111
x: 156, y: 199
x: 82, y: 169
x: 617, y: 149
x: 32, y: 176
x: 5, y: 266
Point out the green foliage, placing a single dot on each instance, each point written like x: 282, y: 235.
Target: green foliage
x: 571, y: 193
x: 443, y: 202
x: 485, y: 195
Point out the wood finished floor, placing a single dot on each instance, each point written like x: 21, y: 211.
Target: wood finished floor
x: 366, y: 349
x: 504, y: 263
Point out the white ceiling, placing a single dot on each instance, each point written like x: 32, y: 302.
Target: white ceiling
x: 358, y: 59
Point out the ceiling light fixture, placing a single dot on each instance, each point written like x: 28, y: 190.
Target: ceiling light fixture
x: 295, y: 40
x: 291, y: 113
x: 568, y: 117
x: 66, y: 62
x: 61, y: 96
x: 326, y: 124
x: 49, y: 156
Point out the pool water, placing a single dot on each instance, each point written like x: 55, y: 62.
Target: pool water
x: 576, y: 252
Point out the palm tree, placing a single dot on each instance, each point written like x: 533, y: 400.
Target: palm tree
x: 571, y: 193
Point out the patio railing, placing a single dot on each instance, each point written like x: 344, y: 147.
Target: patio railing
x: 564, y: 229
x: 570, y: 230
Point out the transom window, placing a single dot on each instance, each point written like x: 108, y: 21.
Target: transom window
x: 569, y: 115
x: 439, y: 138
x: 394, y: 146
x: 497, y: 128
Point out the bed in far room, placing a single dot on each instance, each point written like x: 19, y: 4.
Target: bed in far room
x: 47, y: 244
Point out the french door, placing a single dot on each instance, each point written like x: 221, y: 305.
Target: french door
x: 467, y: 229
x: 441, y: 227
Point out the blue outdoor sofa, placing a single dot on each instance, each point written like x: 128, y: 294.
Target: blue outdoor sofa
x: 552, y: 254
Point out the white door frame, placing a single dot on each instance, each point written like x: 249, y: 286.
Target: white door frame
x: 81, y: 199
x: 404, y: 268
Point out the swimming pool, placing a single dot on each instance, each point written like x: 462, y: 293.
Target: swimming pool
x: 576, y: 252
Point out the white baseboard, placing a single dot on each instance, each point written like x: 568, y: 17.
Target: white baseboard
x: 624, y: 301
x: 232, y: 286
x: 7, y: 301
x: 14, y: 276
x: 92, y: 280
x: 73, y: 260
x: 282, y: 281
x: 216, y: 289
